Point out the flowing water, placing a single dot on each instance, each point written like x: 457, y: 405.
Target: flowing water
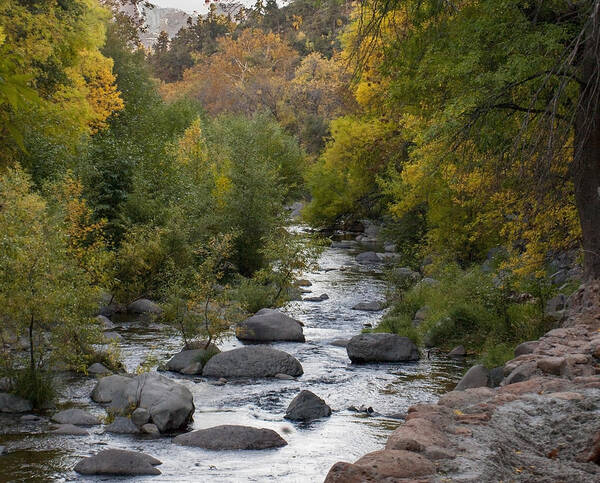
x: 36, y: 455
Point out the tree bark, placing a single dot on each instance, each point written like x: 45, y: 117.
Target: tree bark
x: 586, y: 164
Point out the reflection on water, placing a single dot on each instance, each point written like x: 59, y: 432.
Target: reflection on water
x: 388, y: 388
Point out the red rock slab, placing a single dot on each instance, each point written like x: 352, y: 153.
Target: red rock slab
x: 441, y: 416
x: 469, y: 397
x: 397, y: 464
x: 416, y: 435
x: 552, y: 365
x: 477, y: 418
x: 348, y: 473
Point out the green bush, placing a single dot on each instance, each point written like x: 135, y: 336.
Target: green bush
x: 399, y: 325
x: 36, y: 386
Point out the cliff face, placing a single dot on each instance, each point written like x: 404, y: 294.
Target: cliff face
x: 168, y: 19
x: 542, y: 424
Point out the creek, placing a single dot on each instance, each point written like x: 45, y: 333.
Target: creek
x: 37, y: 455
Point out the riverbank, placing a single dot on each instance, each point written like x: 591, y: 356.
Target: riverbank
x: 542, y: 424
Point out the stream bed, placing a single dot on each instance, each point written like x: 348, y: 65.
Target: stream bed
x: 36, y: 455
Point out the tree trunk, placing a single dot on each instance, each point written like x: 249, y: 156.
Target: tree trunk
x: 586, y: 165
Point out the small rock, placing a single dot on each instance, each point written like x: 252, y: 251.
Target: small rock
x: 97, y: 369
x: 193, y: 369
x: 118, y: 462
x: 552, y: 365
x: 76, y: 416
x: 122, y: 425
x: 140, y: 416
x: 389, y: 247
x: 70, y: 429
x: 3, y: 450
x: 458, y: 352
x: 397, y: 464
x: 420, y: 316
x: 373, y: 306
x: 303, y: 283
x: 231, y: 437
x: 150, y: 429
x: 495, y: 376
x: 307, y: 406
x: 320, y: 298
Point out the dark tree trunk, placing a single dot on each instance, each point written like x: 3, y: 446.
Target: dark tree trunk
x: 586, y: 165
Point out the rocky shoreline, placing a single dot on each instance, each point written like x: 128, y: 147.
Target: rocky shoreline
x: 542, y: 424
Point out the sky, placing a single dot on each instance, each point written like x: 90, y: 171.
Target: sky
x: 191, y: 5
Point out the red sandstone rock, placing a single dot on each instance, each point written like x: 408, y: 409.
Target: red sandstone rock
x: 567, y: 396
x: 349, y: 473
x: 552, y: 365
x: 397, y: 464
x: 416, y: 435
x: 469, y: 397
x: 477, y: 418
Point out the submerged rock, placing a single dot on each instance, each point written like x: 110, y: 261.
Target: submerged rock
x: 232, y: 437
x: 381, y: 348
x: 118, y: 462
x: 70, y: 429
x: 252, y: 361
x: 458, y: 351
x: 269, y: 325
x: 307, y: 406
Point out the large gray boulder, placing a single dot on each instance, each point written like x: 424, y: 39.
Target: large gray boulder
x: 476, y: 376
x: 270, y: 325
x: 105, y: 322
x: 118, y: 462
x: 307, y: 406
x: 381, y: 348
x: 368, y: 257
x: 170, y: 404
x: 230, y: 437
x: 190, y: 361
x: 9, y: 403
x: 70, y: 429
x: 76, y: 416
x: 526, y: 347
x: 405, y: 276
x: 144, y: 306
x: 252, y: 361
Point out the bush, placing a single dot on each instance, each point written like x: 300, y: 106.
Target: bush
x: 400, y: 325
x: 35, y: 385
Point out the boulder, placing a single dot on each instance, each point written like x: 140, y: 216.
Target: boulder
x: 170, y: 404
x: 122, y: 425
x: 105, y: 322
x: 307, y: 406
x: 368, y: 257
x: 521, y: 373
x: 373, y: 306
x: 428, y: 282
x: 97, y: 369
x: 319, y: 298
x: 190, y: 361
x: 526, y: 348
x: 144, y: 306
x: 495, y: 376
x: 70, y: 429
x: 416, y: 435
x: 555, y: 307
x: 476, y: 376
x: 270, y: 325
x: 342, y: 472
x: 389, y: 247
x: 231, y: 437
x: 3, y: 450
x: 458, y: 352
x: 252, y: 361
x: 405, y: 276
x: 76, y: 416
x: 381, y: 348
x: 118, y: 462
x: 112, y: 336
x: 140, y: 416
x: 299, y: 283
x: 420, y: 316
x: 9, y: 403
